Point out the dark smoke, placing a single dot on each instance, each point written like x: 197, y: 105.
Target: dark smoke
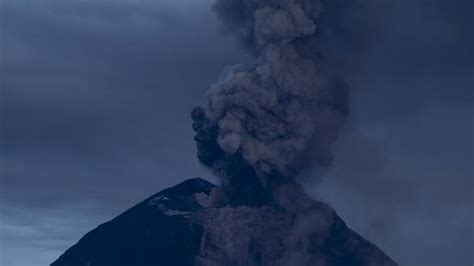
x: 265, y: 122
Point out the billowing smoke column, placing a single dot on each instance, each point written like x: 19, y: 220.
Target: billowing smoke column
x: 266, y: 121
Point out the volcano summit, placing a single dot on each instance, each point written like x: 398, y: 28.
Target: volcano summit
x: 178, y: 226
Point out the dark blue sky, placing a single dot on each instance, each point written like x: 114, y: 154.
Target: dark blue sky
x: 95, y: 109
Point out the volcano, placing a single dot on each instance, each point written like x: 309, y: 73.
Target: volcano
x: 263, y: 123
x: 180, y: 226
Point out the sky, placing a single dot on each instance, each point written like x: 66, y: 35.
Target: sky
x: 96, y: 96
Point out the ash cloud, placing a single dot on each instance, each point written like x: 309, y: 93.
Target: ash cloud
x: 270, y: 119
x: 405, y: 164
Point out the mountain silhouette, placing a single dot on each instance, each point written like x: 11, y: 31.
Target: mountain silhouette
x: 164, y: 230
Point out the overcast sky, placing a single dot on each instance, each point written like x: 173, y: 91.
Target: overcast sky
x: 95, y: 102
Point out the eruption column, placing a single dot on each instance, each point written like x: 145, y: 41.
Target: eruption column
x: 268, y: 120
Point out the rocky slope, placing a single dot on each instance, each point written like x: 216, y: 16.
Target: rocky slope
x: 178, y: 226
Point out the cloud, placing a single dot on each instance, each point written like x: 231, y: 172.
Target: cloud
x: 402, y: 175
x: 41, y: 233
x: 93, y: 110
x: 96, y: 90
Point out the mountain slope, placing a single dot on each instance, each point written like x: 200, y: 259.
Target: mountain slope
x: 165, y: 229
x: 145, y: 234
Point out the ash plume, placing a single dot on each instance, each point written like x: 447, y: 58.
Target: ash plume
x: 266, y: 121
